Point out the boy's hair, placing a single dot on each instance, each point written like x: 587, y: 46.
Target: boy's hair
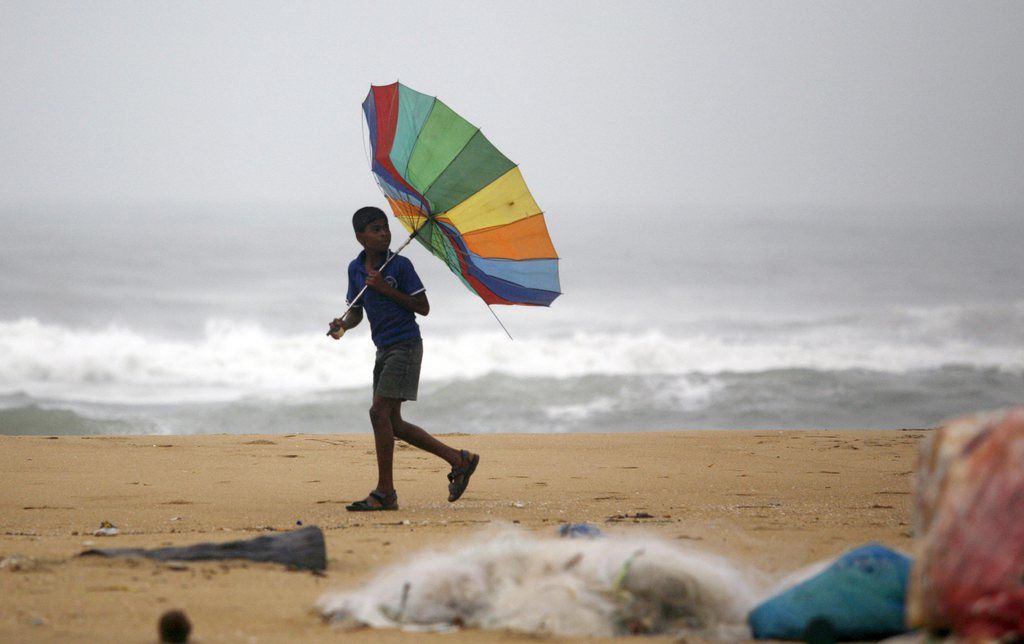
x: 365, y: 215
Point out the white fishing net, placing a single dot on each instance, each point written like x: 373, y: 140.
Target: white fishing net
x: 508, y: 579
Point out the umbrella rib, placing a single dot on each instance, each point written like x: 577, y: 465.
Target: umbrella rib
x: 416, y: 141
x: 508, y: 223
x: 422, y: 206
x: 484, y: 187
x: 454, y: 159
x: 500, y: 323
x: 366, y: 152
x: 467, y: 257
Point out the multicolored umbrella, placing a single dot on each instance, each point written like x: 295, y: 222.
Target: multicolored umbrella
x: 460, y: 197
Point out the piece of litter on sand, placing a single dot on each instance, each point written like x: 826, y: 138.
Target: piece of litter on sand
x: 303, y: 548
x: 859, y: 596
x: 106, y: 529
x: 518, y: 504
x: 629, y: 517
x: 18, y: 563
x: 579, y: 531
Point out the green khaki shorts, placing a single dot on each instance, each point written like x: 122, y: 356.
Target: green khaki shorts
x: 396, y: 373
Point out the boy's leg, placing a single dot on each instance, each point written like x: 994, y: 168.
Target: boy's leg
x: 463, y: 463
x: 383, y: 497
x: 396, y: 378
x: 418, y: 437
x: 384, y: 440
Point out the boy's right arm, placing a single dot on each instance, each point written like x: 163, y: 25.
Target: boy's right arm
x: 346, y: 322
x: 354, y: 315
x: 351, y: 319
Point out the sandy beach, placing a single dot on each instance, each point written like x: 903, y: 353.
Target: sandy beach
x: 773, y: 500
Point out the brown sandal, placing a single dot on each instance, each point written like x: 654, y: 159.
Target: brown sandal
x: 458, y: 478
x: 376, y: 502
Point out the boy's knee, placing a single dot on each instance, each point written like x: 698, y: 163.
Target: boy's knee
x: 379, y: 413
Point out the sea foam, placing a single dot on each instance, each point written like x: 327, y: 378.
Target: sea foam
x: 229, y: 360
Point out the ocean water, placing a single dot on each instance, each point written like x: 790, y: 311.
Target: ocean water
x: 179, y: 319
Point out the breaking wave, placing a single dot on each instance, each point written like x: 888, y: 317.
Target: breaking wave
x: 898, y: 368
x: 230, y: 360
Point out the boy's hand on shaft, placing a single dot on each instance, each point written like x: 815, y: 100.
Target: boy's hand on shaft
x: 376, y: 281
x: 337, y: 329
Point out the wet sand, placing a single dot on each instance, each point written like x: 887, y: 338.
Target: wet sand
x: 775, y: 500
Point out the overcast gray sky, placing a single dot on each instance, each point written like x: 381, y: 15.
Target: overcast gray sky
x: 838, y: 104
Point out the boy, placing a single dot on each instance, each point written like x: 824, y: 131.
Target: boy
x: 394, y: 296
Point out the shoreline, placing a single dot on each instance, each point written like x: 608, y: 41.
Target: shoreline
x: 771, y: 500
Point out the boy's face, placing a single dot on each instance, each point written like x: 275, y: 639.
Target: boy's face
x: 376, y: 236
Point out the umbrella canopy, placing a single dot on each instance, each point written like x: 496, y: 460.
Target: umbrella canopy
x: 462, y: 198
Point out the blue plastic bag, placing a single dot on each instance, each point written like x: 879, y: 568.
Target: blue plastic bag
x: 579, y: 531
x: 860, y: 596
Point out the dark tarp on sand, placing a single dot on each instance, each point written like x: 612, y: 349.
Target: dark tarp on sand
x: 302, y: 548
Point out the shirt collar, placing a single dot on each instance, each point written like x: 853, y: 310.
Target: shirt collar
x: 361, y: 260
